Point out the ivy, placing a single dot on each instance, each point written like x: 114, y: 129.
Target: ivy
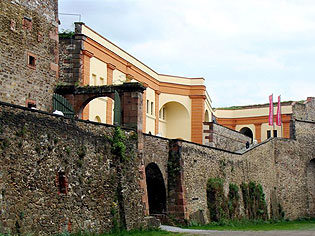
x: 118, y: 145
x: 217, y: 202
x: 233, y: 201
x: 66, y: 34
x: 254, y: 201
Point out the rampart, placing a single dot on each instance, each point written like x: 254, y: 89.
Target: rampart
x: 216, y: 135
x: 60, y: 174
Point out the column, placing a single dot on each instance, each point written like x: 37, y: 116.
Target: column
x: 109, y: 104
x: 86, y: 57
x: 197, y: 117
x: 157, y: 104
x: 144, y: 108
x: 258, y: 132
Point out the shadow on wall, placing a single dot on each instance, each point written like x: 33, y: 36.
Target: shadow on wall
x: 156, y: 189
x: 311, y: 187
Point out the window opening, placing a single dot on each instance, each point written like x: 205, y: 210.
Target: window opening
x: 31, y: 61
x: 94, y: 79
x: 102, y: 81
x: 147, y: 106
x: 268, y: 133
x: 151, y: 108
x: 275, y: 133
x: 62, y: 182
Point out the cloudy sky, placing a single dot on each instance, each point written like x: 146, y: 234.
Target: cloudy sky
x: 245, y: 49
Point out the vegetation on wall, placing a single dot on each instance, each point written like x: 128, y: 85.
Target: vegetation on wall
x: 66, y: 34
x: 217, y: 202
x: 234, y: 201
x: 118, y: 145
x: 254, y: 201
x: 225, y: 208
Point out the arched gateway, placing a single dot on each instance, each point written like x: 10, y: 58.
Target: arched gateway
x: 156, y: 189
x: 129, y: 94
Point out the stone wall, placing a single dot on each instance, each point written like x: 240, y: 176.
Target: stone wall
x: 279, y: 165
x: 219, y: 136
x: 305, y: 110
x: 70, y: 62
x: 155, y: 150
x: 59, y: 174
x: 29, y: 52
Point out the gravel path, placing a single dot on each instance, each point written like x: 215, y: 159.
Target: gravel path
x: 238, y: 233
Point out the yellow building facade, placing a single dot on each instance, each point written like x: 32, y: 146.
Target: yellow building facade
x: 173, y: 106
x: 253, y: 120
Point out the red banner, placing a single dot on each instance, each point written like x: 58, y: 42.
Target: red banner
x: 278, y: 120
x: 271, y: 109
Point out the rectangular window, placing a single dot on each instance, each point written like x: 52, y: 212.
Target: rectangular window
x: 275, y: 133
x: 147, y: 106
x: 102, y: 81
x: 93, y: 80
x: 268, y: 133
x: 151, y: 108
x: 31, y: 60
x: 62, y: 182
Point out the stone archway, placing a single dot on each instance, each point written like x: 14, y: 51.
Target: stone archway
x: 128, y: 94
x: 310, y: 175
x: 156, y: 189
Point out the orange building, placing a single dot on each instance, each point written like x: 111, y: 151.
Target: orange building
x: 173, y: 106
x: 253, y: 120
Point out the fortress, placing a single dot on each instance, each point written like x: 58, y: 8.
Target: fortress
x: 62, y: 174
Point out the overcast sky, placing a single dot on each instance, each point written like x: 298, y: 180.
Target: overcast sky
x: 245, y: 49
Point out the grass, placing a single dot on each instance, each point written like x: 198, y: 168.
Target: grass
x: 129, y: 233
x: 244, y: 225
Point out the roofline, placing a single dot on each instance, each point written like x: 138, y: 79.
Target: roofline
x: 182, y: 77
x: 116, y: 46
x: 285, y: 103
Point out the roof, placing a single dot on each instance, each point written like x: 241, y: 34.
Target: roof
x: 284, y: 103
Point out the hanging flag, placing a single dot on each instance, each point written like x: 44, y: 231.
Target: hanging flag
x: 271, y: 109
x: 278, y: 120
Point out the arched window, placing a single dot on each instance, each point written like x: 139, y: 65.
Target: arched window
x: 97, y: 119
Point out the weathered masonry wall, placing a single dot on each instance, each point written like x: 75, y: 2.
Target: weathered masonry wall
x: 70, y: 59
x: 29, y: 52
x: 59, y: 175
x: 305, y: 111
x: 219, y: 136
x: 279, y: 165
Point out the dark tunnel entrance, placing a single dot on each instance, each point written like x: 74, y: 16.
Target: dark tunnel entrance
x: 156, y: 189
x: 248, y: 132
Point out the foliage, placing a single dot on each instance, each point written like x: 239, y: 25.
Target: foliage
x: 254, y: 201
x: 233, y: 201
x: 118, y: 145
x: 217, y: 202
x: 259, y: 225
x: 66, y: 34
x: 151, y: 232
x: 81, y: 152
